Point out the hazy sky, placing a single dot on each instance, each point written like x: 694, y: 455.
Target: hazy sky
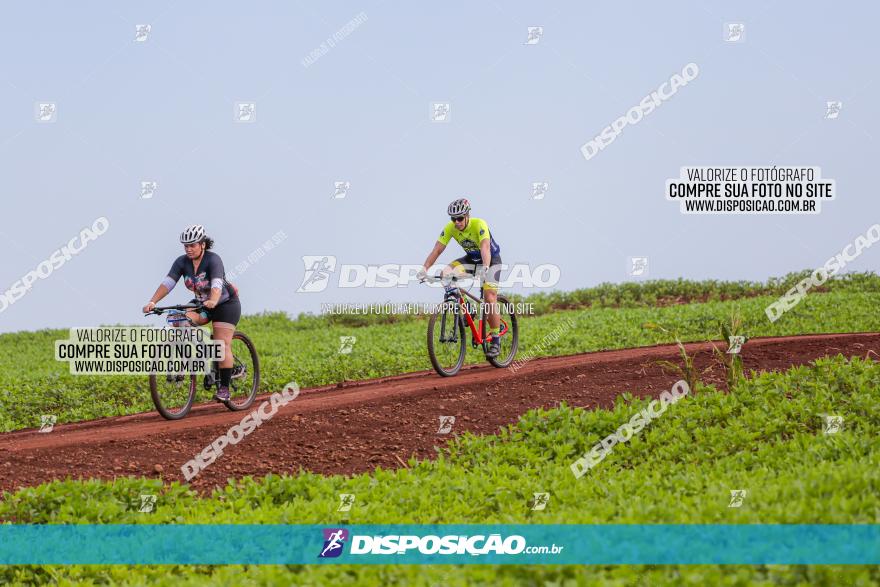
x: 164, y: 110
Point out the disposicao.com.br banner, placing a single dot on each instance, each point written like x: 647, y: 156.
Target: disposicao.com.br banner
x: 441, y: 544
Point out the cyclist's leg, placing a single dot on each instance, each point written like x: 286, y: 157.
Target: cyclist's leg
x: 197, y: 318
x: 490, y: 295
x: 490, y: 298
x: 460, y: 268
x: 175, y: 321
x: 224, y: 320
x: 223, y: 331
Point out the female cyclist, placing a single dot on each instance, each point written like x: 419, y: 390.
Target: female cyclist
x: 203, y: 274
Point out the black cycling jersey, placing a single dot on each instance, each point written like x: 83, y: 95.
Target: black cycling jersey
x: 210, y: 274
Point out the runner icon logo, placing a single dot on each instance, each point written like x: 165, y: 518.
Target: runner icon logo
x: 346, y: 500
x: 142, y: 32
x: 539, y: 189
x: 317, y: 272
x: 737, y: 496
x: 446, y: 423
x: 832, y: 109
x: 833, y: 424
x: 638, y: 266
x: 334, y: 541
x: 148, y: 189
x: 47, y: 422
x: 735, y: 32
x: 341, y: 189
x: 346, y: 344
x: 148, y: 504
x: 535, y: 35
x: 440, y: 112
x: 734, y: 344
x: 540, y: 501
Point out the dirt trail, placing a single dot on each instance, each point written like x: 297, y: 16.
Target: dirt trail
x: 380, y: 422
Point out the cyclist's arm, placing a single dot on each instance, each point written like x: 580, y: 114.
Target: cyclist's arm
x: 485, y: 241
x: 161, y: 292
x: 167, y: 284
x: 485, y: 251
x: 440, y: 245
x: 214, y: 273
x: 212, y: 300
x: 434, y: 254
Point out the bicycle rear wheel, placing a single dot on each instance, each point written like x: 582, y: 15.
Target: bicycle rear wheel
x: 446, y: 341
x: 173, y: 394
x: 509, y: 334
x: 245, y: 373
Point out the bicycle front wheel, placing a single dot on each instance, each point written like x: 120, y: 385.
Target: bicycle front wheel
x: 446, y: 340
x: 245, y: 380
x: 173, y: 394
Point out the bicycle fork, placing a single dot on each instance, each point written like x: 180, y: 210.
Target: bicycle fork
x: 453, y: 338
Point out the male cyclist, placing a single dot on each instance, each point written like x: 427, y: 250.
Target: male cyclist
x: 480, y: 247
x: 203, y: 274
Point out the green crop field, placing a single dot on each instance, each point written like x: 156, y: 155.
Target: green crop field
x: 765, y: 436
x: 305, y: 350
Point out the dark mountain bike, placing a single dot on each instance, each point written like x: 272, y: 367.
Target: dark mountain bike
x: 174, y: 393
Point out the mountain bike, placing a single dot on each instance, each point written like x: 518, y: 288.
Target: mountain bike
x: 174, y: 393
x: 447, y: 343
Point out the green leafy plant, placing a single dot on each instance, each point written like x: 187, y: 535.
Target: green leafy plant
x: 731, y: 358
x: 687, y: 369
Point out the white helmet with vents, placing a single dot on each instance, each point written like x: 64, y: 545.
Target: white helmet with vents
x: 459, y: 207
x: 192, y: 234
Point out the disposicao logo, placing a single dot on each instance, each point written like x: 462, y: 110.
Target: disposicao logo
x: 334, y: 542
x: 478, y: 545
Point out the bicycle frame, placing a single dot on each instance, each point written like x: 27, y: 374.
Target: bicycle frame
x: 477, y: 327
x: 184, y: 321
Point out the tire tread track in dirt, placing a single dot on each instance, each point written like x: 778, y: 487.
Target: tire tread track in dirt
x: 383, y: 422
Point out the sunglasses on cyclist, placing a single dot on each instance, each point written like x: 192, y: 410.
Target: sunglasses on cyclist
x: 458, y: 218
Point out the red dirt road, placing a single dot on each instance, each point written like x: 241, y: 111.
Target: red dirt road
x: 374, y: 423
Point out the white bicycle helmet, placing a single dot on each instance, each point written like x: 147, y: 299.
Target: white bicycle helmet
x: 194, y: 233
x: 459, y: 207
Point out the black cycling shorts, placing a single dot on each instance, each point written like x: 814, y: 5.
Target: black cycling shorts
x: 228, y: 312
x: 470, y: 266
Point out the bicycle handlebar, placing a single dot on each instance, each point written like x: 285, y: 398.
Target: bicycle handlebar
x: 159, y: 310
x: 451, y: 278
